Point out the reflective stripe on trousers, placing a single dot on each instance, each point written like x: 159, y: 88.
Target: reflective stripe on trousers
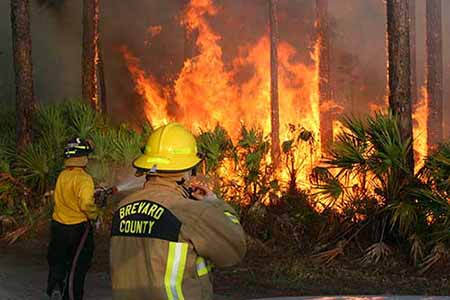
x: 176, y: 263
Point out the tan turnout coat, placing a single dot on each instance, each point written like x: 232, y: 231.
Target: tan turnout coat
x: 163, y: 244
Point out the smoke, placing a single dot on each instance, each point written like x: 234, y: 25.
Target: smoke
x: 55, y: 38
x: 358, y: 46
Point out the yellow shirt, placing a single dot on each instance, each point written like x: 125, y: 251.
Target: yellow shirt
x: 74, y: 197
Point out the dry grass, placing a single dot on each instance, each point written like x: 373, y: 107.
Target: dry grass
x: 328, y: 256
x: 375, y: 253
x: 417, y: 249
x: 13, y: 236
x: 7, y: 224
x: 439, y: 255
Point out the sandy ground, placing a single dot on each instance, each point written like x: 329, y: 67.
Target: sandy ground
x: 25, y: 279
x: 23, y: 275
x: 22, y: 280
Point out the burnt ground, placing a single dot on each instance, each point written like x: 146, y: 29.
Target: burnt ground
x: 23, y: 274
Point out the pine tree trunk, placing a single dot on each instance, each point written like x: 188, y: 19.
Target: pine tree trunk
x: 434, y: 72
x: 275, y: 113
x: 101, y: 80
x: 89, y: 55
x: 326, y: 117
x: 23, y: 68
x: 399, y: 69
x: 412, y: 38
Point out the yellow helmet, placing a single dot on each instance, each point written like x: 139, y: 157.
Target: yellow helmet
x: 170, y: 148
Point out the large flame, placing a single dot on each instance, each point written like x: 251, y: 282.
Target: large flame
x: 420, y: 133
x: 206, y: 92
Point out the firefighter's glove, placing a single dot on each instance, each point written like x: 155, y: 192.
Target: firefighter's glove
x: 100, y: 196
x: 201, y: 192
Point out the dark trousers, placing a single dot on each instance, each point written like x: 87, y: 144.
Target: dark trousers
x: 63, y: 246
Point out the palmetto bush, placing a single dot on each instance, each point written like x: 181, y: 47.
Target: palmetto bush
x: 26, y: 178
x: 40, y: 163
x: 364, y: 186
x: 8, y: 190
x: 82, y: 119
x: 367, y: 179
x: 215, y: 145
x: 436, y: 171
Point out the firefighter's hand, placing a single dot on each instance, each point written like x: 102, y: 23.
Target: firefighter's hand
x: 100, y: 196
x: 201, y: 192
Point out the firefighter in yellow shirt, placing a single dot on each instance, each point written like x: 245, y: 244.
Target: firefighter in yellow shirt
x: 165, y: 238
x: 73, y: 210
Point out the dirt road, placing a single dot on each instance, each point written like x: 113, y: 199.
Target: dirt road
x: 23, y: 276
x: 25, y: 280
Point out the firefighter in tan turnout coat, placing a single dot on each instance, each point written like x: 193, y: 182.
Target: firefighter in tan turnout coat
x: 165, y: 238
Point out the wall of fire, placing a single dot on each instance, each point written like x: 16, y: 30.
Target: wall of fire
x: 358, y: 57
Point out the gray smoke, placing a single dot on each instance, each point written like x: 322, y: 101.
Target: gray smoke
x: 358, y: 46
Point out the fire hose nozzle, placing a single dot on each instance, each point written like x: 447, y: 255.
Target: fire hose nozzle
x: 102, y: 194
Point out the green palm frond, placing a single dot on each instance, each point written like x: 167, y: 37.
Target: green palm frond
x: 434, y: 203
x: 82, y: 118
x: 250, y: 138
x: 404, y: 215
x: 320, y: 175
x: 146, y: 129
x: 103, y: 144
x: 36, y: 168
x: 383, y: 130
x: 215, y: 145
x: 347, y: 152
x: 52, y: 129
x: 126, y: 146
x: 356, y: 127
x: 436, y: 171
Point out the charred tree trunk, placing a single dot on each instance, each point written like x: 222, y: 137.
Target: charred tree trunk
x: 101, y: 80
x: 275, y: 113
x: 326, y: 117
x: 23, y: 68
x: 412, y: 38
x: 400, y: 69
x: 434, y: 72
x: 90, y: 52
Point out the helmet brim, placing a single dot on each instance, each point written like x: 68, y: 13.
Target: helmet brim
x: 174, y: 164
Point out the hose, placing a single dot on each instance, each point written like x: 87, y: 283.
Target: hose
x: 75, y: 259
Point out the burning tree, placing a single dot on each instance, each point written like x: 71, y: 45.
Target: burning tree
x: 25, y: 102
x: 90, y: 51
x: 326, y: 121
x: 412, y: 38
x: 399, y: 69
x: 434, y: 71
x: 275, y: 111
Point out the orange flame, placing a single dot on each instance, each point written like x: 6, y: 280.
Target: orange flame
x: 207, y: 92
x: 420, y: 132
